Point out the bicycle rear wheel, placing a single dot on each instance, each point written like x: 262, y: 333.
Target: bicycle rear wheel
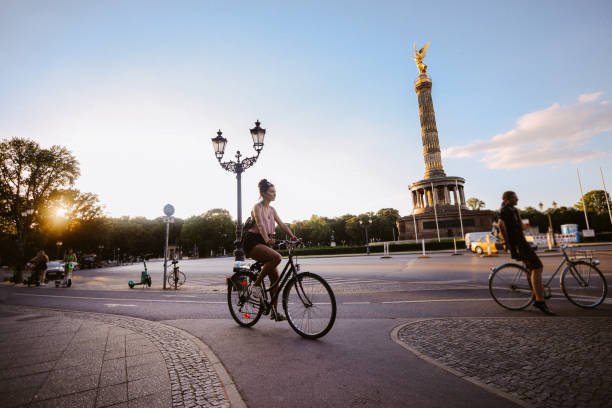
x: 510, y: 287
x: 245, y: 310
x: 310, y: 305
x: 584, y: 285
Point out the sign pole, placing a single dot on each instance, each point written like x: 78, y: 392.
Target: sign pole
x: 168, y: 211
x: 166, y: 251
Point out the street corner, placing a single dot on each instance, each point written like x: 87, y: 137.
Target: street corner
x: 63, y: 358
x: 535, y: 361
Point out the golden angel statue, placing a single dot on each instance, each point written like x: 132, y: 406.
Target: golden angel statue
x: 418, y: 58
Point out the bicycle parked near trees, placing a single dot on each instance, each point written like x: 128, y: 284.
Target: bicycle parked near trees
x: 308, y: 300
x: 176, y: 278
x: 581, y: 282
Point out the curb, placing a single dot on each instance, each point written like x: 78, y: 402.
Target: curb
x: 395, y: 337
x: 229, y: 386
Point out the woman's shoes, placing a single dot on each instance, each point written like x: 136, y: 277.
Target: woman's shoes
x: 542, y: 306
x: 279, y: 317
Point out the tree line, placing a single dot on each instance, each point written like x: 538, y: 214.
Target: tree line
x: 41, y: 209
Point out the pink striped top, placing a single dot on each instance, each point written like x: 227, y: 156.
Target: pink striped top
x: 267, y: 216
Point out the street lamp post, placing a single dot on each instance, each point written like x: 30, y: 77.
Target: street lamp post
x: 238, y: 167
x: 366, y: 226
x: 59, y: 246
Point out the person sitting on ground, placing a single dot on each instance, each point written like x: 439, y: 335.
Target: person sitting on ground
x: 40, y: 267
x: 512, y: 227
x: 259, y: 239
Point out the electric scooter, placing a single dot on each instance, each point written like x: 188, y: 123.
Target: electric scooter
x: 145, y: 277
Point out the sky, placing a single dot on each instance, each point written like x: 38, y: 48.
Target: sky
x: 136, y: 90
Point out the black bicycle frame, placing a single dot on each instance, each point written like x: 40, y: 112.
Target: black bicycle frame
x: 282, y: 280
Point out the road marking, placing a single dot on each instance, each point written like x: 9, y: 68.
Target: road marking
x: 118, y: 305
x: 436, y: 300
x: 129, y: 300
x: 356, y: 303
x: 187, y: 296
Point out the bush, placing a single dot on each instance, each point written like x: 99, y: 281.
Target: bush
x: 361, y: 249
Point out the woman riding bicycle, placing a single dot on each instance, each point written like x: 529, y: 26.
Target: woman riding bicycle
x: 258, y: 240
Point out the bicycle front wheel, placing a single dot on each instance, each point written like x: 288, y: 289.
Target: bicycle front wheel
x: 584, y: 285
x: 245, y: 310
x: 176, y: 280
x: 510, y: 287
x: 310, y: 305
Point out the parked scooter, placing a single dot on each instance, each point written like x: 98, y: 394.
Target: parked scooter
x: 145, y: 277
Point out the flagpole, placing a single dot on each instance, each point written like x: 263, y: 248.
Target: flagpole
x: 459, y: 206
x: 582, y: 198
x: 433, y: 193
x: 606, y: 193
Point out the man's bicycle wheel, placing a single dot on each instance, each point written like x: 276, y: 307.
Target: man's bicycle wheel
x: 310, y: 305
x: 584, y: 285
x: 245, y: 310
x: 510, y: 287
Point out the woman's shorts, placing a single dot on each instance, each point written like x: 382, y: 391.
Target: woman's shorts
x: 250, y: 241
x: 530, y: 258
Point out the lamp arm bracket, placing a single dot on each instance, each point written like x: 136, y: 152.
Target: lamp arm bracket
x: 230, y: 166
x: 248, y: 162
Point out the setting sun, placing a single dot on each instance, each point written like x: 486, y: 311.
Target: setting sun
x: 60, y: 212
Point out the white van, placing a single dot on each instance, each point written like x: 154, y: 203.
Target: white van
x: 475, y: 236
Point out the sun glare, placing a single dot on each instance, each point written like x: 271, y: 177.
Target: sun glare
x: 60, y: 212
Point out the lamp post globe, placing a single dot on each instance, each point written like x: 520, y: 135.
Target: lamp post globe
x: 258, y: 134
x: 219, y: 144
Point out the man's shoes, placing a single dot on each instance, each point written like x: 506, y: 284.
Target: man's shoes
x: 542, y: 306
x: 279, y: 317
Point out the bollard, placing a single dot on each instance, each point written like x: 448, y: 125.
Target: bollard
x: 455, y: 245
x: 423, y: 245
x: 386, y: 250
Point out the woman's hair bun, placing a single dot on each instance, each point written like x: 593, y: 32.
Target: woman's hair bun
x: 264, y: 185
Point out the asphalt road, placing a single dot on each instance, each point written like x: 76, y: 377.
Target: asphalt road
x: 356, y: 364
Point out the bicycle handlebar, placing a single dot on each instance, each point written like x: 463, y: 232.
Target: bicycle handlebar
x: 287, y: 242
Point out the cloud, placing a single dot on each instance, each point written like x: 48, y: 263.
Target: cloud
x: 557, y: 134
x: 585, y: 98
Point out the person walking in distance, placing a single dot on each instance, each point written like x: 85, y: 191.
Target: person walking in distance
x: 40, y: 267
x: 512, y: 227
x: 259, y: 239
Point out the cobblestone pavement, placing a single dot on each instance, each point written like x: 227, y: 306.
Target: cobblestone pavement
x: 53, y: 358
x: 545, y: 362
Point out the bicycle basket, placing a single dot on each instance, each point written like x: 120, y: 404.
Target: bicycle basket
x: 580, y: 255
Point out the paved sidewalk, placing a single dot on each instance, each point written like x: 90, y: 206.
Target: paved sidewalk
x: 540, y: 361
x: 68, y: 359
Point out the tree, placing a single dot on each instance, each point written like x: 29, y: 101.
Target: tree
x: 475, y: 203
x: 595, y: 201
x: 28, y: 176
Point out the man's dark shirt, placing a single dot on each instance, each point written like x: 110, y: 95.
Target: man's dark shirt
x: 514, y: 227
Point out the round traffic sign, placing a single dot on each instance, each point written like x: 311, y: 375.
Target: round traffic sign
x: 168, y: 209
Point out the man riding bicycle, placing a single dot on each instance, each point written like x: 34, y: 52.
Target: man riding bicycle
x: 512, y: 227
